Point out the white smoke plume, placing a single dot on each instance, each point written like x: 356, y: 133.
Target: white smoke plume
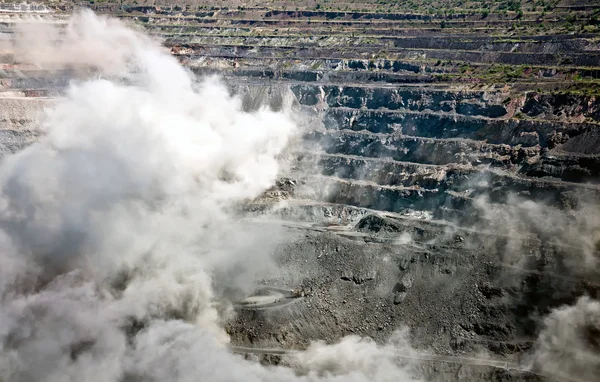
x: 117, y: 225
x: 575, y: 230
x: 561, y: 245
x: 569, y: 344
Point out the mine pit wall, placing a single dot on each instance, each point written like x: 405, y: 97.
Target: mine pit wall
x: 397, y: 159
x: 375, y: 137
x: 396, y: 149
x: 372, y: 137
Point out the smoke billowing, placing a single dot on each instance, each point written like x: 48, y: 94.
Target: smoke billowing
x: 574, y: 231
x: 569, y: 344
x: 114, y: 225
x: 119, y: 236
x: 562, y: 245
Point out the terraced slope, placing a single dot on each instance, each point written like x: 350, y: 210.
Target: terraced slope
x: 447, y: 178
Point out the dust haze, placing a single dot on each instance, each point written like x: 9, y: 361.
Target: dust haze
x: 120, y: 239
x: 118, y: 227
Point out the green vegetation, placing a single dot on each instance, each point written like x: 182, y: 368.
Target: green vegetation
x: 588, y: 88
x: 482, y: 42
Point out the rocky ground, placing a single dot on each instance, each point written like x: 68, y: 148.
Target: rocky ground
x: 447, y: 177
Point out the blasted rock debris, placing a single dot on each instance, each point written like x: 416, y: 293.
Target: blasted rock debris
x: 370, y: 191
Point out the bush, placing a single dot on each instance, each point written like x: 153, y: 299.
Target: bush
x: 514, y: 5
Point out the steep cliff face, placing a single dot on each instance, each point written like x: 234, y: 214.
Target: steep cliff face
x: 458, y: 193
x: 394, y: 148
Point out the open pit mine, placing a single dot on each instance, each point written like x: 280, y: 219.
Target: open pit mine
x: 441, y: 186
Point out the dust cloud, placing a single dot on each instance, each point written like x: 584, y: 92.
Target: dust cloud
x: 536, y: 234
x: 569, y: 344
x: 117, y: 225
x: 521, y: 220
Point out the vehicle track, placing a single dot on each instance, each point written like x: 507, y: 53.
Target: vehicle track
x: 269, y: 298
